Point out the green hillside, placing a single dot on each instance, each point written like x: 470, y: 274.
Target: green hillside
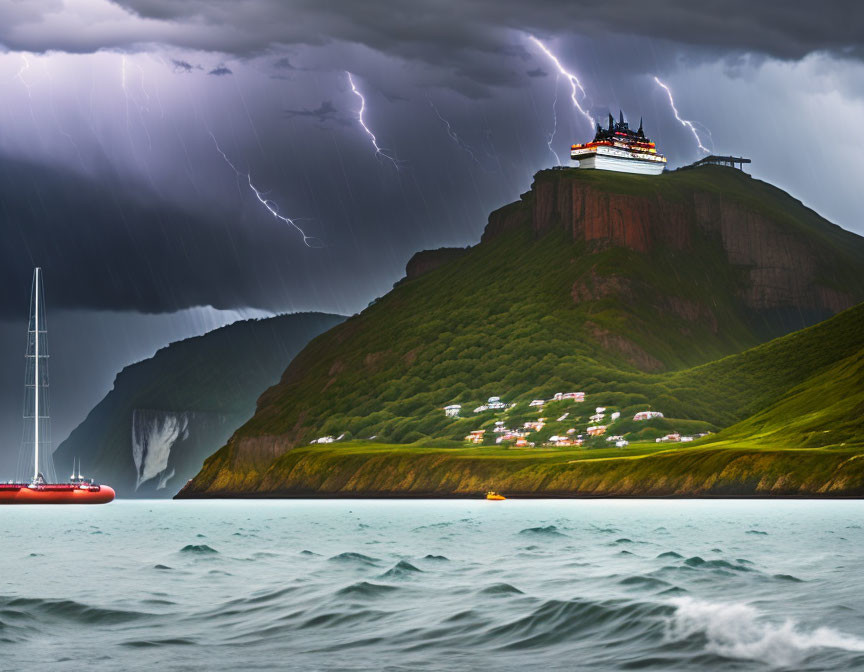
x: 501, y: 320
x: 635, y: 290
x: 801, y: 398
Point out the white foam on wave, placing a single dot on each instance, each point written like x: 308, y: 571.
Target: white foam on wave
x: 738, y: 630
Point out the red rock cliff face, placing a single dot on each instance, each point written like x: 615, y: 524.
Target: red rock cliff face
x: 784, y: 269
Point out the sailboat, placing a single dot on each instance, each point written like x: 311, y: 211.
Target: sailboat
x: 39, y: 490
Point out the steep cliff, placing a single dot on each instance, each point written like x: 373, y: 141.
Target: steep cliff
x: 166, y: 414
x: 594, y: 281
x: 796, y: 268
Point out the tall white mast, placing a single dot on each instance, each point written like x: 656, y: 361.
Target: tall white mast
x: 36, y: 383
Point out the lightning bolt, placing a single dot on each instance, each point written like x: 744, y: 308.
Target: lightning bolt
x: 575, y: 84
x: 271, y: 206
x: 378, y: 150
x: 454, y: 136
x: 25, y: 66
x: 555, y: 124
x: 684, y: 122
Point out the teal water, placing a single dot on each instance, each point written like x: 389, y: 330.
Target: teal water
x: 434, y: 585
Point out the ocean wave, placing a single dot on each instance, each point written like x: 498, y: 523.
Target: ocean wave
x: 696, y: 561
x: 335, y: 619
x: 365, y: 589
x: 557, y: 621
x: 547, y: 531
x: 401, y: 569
x: 647, y: 582
x: 354, y: 558
x: 156, y: 643
x: 67, y: 610
x: 262, y: 597
x: 198, y: 549
x: 740, y: 631
x: 787, y: 577
x: 500, y: 589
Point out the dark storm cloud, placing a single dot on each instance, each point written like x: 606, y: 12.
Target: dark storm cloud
x: 438, y: 32
x: 220, y: 71
x: 182, y: 66
x: 283, y: 63
x: 162, y: 223
x: 326, y: 112
x: 776, y: 27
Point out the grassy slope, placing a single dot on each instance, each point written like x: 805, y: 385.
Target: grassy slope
x: 377, y: 470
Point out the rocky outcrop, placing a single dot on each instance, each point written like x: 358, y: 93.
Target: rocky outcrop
x: 783, y: 268
x: 428, y: 260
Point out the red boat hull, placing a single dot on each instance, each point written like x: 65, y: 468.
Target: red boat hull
x: 55, y: 493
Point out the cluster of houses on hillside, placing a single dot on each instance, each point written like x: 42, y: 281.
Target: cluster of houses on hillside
x: 495, y: 404
x: 568, y: 438
x: 675, y: 437
x: 598, y: 425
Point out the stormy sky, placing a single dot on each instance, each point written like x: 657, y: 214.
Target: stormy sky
x: 113, y: 115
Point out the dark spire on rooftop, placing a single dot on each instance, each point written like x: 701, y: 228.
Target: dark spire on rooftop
x: 621, y: 117
x: 611, y: 121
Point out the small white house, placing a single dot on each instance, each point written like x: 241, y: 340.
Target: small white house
x: 600, y: 409
x: 686, y: 439
x: 324, y: 439
x: 452, y: 411
x: 622, y: 443
x: 482, y: 408
x: 496, y: 405
x: 615, y: 416
x: 537, y: 402
x: 493, y: 400
x: 562, y: 418
x: 647, y: 415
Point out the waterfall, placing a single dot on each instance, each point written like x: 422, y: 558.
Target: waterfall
x: 154, y: 433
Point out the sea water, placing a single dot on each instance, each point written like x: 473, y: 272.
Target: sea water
x: 434, y: 585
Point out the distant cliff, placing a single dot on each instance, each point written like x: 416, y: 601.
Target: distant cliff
x: 164, y: 415
x: 593, y: 281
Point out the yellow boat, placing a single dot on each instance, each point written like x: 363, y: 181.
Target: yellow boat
x: 494, y: 496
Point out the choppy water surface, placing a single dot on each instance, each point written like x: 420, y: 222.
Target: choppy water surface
x: 434, y: 585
